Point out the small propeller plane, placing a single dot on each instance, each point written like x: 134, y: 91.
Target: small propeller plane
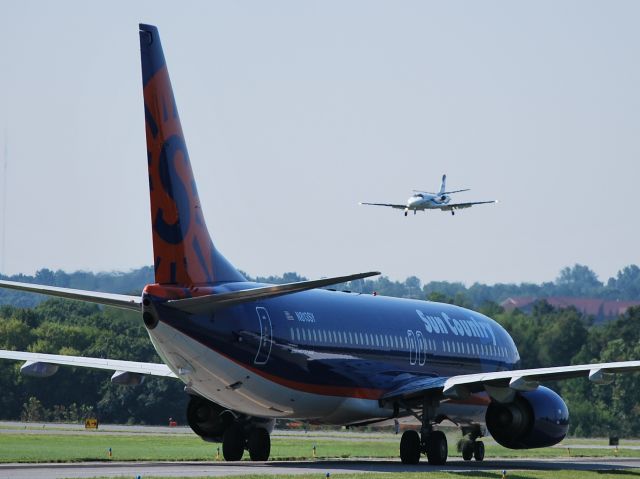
x: 425, y: 200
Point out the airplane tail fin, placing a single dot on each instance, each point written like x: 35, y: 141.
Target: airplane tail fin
x: 443, y: 187
x: 183, y: 251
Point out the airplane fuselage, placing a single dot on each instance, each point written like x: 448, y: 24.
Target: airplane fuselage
x: 424, y: 201
x: 326, y: 356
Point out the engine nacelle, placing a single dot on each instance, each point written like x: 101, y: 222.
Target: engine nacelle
x: 210, y: 420
x: 207, y: 419
x: 537, y: 418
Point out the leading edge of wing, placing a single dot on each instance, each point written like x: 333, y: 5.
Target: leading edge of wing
x: 456, y: 206
x: 152, y: 369
x: 518, y: 379
x: 390, y: 205
x: 109, y: 299
x: 213, y: 301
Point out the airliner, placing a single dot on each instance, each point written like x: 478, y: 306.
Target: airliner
x: 250, y: 353
x: 425, y: 200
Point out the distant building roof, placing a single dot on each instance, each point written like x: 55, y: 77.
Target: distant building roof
x: 599, y: 308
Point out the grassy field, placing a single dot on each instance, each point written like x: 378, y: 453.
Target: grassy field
x: 31, y: 447
x: 629, y: 474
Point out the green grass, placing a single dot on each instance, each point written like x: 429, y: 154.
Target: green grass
x: 626, y: 474
x: 28, y: 447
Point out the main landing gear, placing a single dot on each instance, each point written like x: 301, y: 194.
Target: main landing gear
x: 429, y: 442
x: 235, y: 440
x: 470, y: 447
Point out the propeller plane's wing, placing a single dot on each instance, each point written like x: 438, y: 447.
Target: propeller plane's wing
x: 459, y: 206
x: 390, y: 205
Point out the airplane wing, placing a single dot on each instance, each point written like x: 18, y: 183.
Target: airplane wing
x: 503, y: 384
x: 152, y: 369
x: 109, y: 299
x: 459, y: 206
x: 390, y: 205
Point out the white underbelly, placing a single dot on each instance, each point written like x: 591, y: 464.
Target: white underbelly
x: 231, y: 385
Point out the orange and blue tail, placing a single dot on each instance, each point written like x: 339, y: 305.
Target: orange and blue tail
x: 183, y: 251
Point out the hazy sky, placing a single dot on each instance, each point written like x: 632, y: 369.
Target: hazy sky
x: 295, y: 111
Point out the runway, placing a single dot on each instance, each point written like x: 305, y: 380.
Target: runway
x: 220, y: 469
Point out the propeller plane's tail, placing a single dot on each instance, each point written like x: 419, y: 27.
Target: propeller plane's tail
x: 443, y: 187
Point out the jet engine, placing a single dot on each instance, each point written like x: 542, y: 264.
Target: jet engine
x: 210, y: 420
x: 537, y: 418
x: 207, y: 419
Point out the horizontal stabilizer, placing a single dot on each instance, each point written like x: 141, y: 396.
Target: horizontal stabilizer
x: 108, y: 299
x: 455, y: 191
x: 202, y: 304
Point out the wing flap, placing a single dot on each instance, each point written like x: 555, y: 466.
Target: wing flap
x: 210, y: 302
x: 150, y: 369
x: 108, y: 299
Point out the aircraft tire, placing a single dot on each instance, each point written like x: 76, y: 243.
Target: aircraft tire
x: 410, y: 447
x: 437, y: 448
x: 259, y: 444
x: 233, y: 443
x: 478, y: 450
x: 467, y: 450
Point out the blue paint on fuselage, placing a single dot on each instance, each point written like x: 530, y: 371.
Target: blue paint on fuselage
x: 322, y: 340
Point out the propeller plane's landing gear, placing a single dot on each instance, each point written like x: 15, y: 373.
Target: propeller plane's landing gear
x: 406, y: 212
x: 453, y: 213
x: 430, y: 442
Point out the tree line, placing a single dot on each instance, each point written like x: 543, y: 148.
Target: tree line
x: 575, y: 281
